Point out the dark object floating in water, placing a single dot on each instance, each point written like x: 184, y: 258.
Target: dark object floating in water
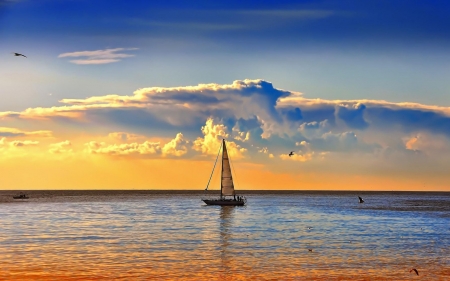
x: 310, y: 250
x: 360, y: 200
x: 226, y: 184
x: 21, y: 196
x: 415, y: 270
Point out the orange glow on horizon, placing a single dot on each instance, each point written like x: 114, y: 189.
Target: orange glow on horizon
x: 103, y: 172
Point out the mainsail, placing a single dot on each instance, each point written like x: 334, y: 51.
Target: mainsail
x: 227, y: 186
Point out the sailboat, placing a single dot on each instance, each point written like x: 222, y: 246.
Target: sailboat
x: 227, y: 194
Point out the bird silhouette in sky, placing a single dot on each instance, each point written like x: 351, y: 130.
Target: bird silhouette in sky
x: 415, y: 270
x: 292, y: 153
x: 18, y: 55
x: 360, y: 200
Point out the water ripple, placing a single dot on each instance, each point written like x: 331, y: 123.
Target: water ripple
x: 159, y: 236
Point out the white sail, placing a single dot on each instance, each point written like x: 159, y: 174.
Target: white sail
x: 227, y: 186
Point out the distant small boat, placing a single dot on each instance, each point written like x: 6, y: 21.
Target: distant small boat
x: 226, y: 184
x: 21, y: 196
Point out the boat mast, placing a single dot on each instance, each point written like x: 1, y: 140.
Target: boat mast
x: 221, y: 173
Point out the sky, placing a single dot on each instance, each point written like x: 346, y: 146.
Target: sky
x: 113, y: 95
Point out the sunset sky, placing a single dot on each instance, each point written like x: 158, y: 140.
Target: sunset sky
x: 121, y: 95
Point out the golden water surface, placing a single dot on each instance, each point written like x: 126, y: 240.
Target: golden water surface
x: 81, y: 235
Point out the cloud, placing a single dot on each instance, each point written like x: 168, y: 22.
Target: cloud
x: 274, y: 111
x: 213, y: 134
x: 249, y: 114
x: 412, y: 143
x: 347, y: 142
x: 293, y: 114
x: 248, y: 21
x: 242, y: 136
x: 429, y: 144
x: 352, y: 115
x: 242, y: 99
x: 60, y: 147
x: 122, y: 136
x: 315, y: 129
x: 13, y: 132
x: 199, y: 26
x: 410, y: 119
x: 74, y: 112
x: 248, y: 130
x: 265, y: 150
x: 301, y: 157
x: 17, y: 143
x: 362, y: 114
x: 260, y: 123
x: 146, y: 148
x: 176, y: 147
x: 98, y: 56
x: 289, y: 14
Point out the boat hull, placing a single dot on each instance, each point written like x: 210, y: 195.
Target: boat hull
x: 223, y: 202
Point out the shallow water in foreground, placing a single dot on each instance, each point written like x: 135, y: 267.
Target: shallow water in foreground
x: 172, y: 235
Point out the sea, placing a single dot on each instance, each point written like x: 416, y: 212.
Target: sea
x: 173, y: 235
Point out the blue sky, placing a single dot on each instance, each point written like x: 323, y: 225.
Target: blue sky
x: 373, y: 76
x: 392, y: 50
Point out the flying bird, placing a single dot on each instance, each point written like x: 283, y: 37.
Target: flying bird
x: 292, y: 153
x: 360, y: 200
x: 18, y: 55
x: 415, y: 270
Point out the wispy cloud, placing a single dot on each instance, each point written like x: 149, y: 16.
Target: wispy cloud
x: 13, y: 132
x: 289, y: 14
x: 232, y: 20
x: 205, y: 26
x: 98, y: 56
x: 18, y: 143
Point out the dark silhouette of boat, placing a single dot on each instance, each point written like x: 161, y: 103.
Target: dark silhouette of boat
x: 21, y: 196
x: 227, y: 193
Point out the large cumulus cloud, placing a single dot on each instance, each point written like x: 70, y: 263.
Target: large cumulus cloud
x: 256, y: 115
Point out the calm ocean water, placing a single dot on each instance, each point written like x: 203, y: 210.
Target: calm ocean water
x: 172, y: 235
